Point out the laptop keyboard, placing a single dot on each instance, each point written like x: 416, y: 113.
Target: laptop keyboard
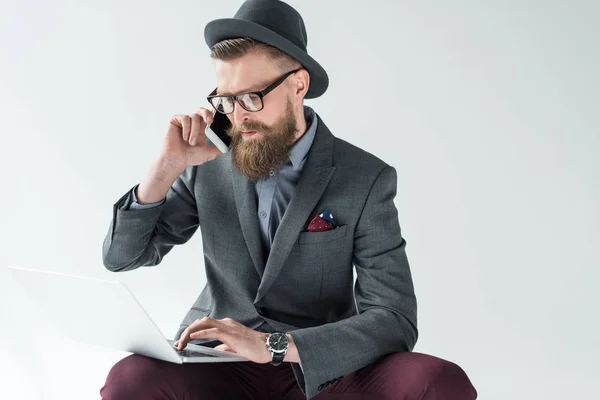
x: 193, y: 353
x: 189, y: 352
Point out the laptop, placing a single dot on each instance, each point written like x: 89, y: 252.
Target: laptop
x: 106, y: 313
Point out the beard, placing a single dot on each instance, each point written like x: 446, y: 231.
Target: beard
x: 255, y: 157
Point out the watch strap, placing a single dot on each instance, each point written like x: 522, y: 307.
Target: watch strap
x: 277, y: 358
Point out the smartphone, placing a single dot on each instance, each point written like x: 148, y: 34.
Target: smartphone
x: 216, y: 132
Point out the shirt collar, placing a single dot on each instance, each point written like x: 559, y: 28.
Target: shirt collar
x: 300, y: 149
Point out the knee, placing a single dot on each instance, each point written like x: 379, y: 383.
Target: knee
x: 445, y: 379
x: 128, y: 378
x: 434, y: 378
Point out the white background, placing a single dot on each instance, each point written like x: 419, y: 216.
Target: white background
x: 487, y: 109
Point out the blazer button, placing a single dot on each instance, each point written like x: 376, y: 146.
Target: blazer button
x: 261, y: 311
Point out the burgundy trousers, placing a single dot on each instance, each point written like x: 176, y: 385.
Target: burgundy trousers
x: 398, y: 376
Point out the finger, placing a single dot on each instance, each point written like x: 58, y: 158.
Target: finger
x: 184, y: 338
x: 182, y: 342
x: 203, y: 323
x: 197, y: 325
x: 185, y: 123
x: 206, y: 115
x: 197, y: 129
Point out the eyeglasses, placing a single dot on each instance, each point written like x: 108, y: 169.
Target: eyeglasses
x: 250, y: 101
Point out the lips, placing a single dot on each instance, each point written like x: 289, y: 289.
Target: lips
x: 248, y: 133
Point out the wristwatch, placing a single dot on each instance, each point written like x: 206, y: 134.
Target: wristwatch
x: 277, y: 344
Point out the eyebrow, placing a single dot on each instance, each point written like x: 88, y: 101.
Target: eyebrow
x: 253, y: 88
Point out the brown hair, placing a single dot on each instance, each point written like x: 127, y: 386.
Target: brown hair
x: 230, y: 49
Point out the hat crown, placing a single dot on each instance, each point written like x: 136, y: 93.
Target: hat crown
x: 277, y: 16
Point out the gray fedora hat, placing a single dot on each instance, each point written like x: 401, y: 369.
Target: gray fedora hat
x: 275, y: 23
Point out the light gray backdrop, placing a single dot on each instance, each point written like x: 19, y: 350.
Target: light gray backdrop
x: 487, y: 109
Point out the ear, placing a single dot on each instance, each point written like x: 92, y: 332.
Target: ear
x: 301, y: 81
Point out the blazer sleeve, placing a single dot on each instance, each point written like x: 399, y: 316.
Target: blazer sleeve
x: 386, y: 303
x: 143, y: 236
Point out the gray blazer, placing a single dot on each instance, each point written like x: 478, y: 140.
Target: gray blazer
x: 305, y: 284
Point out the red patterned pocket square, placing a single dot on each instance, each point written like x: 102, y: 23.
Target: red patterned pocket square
x: 322, y: 222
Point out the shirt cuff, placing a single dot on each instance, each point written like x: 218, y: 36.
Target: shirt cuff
x: 137, y: 206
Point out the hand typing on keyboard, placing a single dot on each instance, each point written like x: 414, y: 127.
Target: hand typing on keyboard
x: 235, y: 337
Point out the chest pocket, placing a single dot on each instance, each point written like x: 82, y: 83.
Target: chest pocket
x: 311, y: 259
x: 322, y: 237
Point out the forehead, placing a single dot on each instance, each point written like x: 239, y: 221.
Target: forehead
x: 254, y: 71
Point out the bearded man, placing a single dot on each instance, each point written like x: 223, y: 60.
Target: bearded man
x: 285, y: 215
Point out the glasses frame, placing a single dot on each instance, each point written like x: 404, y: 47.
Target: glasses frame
x: 260, y: 93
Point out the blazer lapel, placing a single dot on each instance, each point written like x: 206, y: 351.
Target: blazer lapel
x: 316, y: 174
x: 245, y: 200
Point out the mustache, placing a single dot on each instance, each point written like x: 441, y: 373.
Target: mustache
x: 236, y: 130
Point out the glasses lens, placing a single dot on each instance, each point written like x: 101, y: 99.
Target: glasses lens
x: 251, y: 101
x: 222, y: 104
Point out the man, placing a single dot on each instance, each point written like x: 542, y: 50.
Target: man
x: 284, y: 216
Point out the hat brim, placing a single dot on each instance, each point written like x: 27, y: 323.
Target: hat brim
x: 227, y: 28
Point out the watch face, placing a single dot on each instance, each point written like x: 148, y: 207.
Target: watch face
x: 278, y: 341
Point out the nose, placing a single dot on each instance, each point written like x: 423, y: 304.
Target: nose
x: 240, y: 116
